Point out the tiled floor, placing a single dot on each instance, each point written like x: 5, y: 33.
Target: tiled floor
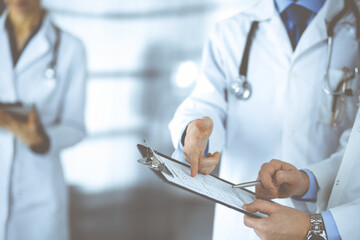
x: 142, y: 213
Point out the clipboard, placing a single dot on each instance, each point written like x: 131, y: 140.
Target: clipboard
x: 213, y: 188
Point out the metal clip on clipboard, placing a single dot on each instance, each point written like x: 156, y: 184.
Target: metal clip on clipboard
x: 152, y: 160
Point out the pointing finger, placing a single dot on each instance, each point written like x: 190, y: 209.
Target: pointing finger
x: 192, y: 158
x: 194, y: 168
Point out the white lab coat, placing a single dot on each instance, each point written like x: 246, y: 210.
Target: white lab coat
x: 287, y: 116
x: 339, y: 186
x: 33, y: 195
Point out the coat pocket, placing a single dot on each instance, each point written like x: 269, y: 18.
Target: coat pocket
x: 334, y: 109
x: 328, y: 104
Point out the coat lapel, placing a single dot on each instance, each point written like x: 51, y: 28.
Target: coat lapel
x: 277, y: 34
x: 271, y: 23
x: 260, y: 10
x: 316, y: 32
x: 7, y: 87
x: 37, y: 47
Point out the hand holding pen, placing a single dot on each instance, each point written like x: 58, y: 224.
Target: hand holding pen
x: 279, y: 179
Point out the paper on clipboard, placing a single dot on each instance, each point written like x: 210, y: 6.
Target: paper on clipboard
x: 207, y: 186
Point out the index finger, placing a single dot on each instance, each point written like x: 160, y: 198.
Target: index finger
x: 192, y: 157
x: 194, y: 168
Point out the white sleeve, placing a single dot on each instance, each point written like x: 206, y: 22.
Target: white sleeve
x: 70, y: 127
x: 207, y: 99
x: 347, y: 219
x: 325, y: 173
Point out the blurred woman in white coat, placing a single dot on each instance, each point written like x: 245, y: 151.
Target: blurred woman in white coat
x: 44, y: 67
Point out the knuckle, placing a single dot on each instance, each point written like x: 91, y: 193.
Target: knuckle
x: 274, y: 160
x: 197, y: 122
x: 264, y: 165
x: 264, y: 169
x: 280, y: 177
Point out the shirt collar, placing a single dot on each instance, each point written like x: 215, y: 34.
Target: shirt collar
x: 313, y: 5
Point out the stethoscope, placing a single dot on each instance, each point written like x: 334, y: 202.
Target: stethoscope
x: 50, y: 71
x: 241, y: 87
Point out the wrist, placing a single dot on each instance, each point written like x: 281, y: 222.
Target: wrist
x: 304, y: 184
x: 307, y: 226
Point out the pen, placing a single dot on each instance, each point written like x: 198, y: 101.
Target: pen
x: 247, y: 184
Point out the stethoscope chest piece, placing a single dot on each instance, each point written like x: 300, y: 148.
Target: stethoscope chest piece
x: 50, y: 76
x: 50, y: 73
x: 241, y: 88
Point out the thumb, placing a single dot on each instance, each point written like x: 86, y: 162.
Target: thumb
x: 261, y: 206
x: 216, y: 156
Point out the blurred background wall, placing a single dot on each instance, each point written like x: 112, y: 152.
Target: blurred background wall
x: 143, y: 58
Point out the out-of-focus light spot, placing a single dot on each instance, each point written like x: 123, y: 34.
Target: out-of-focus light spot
x: 186, y: 74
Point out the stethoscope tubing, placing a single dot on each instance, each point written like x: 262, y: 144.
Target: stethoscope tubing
x: 50, y: 71
x: 242, y: 85
x: 330, y: 31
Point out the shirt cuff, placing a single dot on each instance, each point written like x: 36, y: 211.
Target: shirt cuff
x: 311, y: 193
x: 332, y: 231
x: 206, y: 149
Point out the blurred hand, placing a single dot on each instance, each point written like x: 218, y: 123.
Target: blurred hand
x: 283, y: 223
x: 197, y: 135
x: 281, y: 180
x: 27, y: 132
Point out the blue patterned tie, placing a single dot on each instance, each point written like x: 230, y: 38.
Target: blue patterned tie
x: 295, y: 18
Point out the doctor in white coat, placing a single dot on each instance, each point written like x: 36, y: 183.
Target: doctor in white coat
x: 337, y: 194
x: 33, y: 194
x: 288, y: 113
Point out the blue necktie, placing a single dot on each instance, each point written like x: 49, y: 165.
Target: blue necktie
x: 295, y: 18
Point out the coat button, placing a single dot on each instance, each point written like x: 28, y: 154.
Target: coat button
x: 337, y: 182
